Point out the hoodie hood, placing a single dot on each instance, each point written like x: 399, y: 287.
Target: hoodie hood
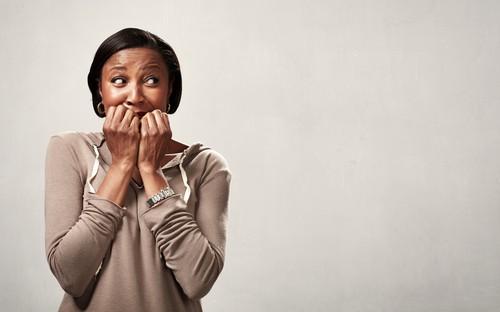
x: 103, y: 155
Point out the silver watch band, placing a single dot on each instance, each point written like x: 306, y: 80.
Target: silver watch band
x: 161, y: 195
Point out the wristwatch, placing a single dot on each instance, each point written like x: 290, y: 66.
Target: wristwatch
x: 161, y: 195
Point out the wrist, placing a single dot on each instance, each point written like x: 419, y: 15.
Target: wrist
x: 123, y: 166
x: 153, y: 181
x: 147, y: 169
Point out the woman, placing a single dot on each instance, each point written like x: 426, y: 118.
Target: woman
x: 135, y: 221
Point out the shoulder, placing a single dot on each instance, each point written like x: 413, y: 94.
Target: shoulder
x: 207, y: 158
x: 75, y: 138
x: 72, y: 146
x: 64, y: 141
x: 213, y: 158
x: 206, y: 163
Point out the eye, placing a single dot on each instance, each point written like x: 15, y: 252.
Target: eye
x: 151, y: 80
x: 118, y: 80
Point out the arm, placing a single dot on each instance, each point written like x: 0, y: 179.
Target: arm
x: 193, y: 247
x: 115, y: 183
x: 121, y: 130
x: 78, y: 231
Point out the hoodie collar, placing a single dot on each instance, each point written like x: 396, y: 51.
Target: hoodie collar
x: 97, y: 139
x: 180, y: 159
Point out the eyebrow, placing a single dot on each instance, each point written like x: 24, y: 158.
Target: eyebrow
x: 122, y: 67
x: 119, y: 67
x: 152, y: 65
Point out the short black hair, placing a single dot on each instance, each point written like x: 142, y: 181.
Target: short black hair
x: 135, y: 38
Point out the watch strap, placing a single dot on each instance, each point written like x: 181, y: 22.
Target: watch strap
x: 160, y: 196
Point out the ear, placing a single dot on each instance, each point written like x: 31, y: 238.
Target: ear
x: 170, y: 88
x: 99, y: 87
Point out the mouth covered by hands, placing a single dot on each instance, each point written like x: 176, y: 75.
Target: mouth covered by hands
x: 139, y: 139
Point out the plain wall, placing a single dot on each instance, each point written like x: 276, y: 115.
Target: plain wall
x: 363, y: 137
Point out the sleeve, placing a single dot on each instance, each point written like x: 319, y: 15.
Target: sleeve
x: 193, y: 247
x: 78, y: 227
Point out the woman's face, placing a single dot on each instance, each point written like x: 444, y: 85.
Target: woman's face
x: 137, y: 78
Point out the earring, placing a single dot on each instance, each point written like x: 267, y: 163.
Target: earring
x: 168, y: 107
x: 100, y: 109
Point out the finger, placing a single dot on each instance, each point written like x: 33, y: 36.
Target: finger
x: 151, y: 122
x: 165, y: 119
x: 127, y: 119
x: 109, y: 116
x: 134, y: 124
x: 159, y: 120
x: 119, y: 114
x: 111, y: 110
x: 144, y: 125
x: 166, y: 122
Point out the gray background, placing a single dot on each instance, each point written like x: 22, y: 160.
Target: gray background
x: 363, y: 136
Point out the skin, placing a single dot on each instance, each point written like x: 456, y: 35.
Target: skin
x: 135, y: 88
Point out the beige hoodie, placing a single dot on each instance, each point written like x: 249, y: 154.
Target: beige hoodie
x: 133, y: 258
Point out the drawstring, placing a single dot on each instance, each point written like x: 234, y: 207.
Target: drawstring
x: 187, y: 193
x: 94, y: 169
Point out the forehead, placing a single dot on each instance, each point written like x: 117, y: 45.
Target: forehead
x: 135, y: 58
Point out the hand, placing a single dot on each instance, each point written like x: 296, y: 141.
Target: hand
x: 155, y: 136
x: 122, y: 134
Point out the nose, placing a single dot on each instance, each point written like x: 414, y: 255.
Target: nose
x: 135, y: 95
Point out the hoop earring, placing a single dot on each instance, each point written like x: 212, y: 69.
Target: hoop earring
x: 168, y: 107
x: 100, y: 109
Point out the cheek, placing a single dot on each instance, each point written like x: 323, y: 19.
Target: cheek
x: 113, y: 96
x: 158, y: 97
